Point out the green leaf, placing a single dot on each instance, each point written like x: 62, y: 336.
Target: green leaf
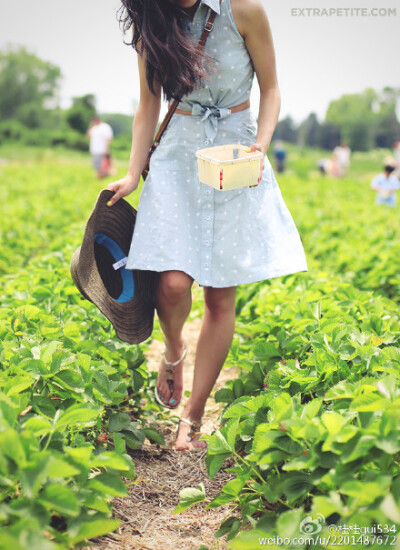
x: 258, y: 374
x: 214, y: 463
x: 97, y: 503
x: 333, y: 422
x: 95, y: 528
x: 7, y: 541
x: 230, y: 491
x: 357, y: 447
x: 301, y: 462
x: 224, y: 395
x: 18, y: 384
x: 111, y: 460
x: 288, y: 523
x: 189, y: 497
x: 108, y: 484
x: 217, y: 444
x: 327, y: 505
x: 60, y: 499
x: 35, y: 475
x: 75, y: 416
x: 368, y: 402
x: 282, y: 406
x: 271, y: 492
x: 134, y: 438
x: 82, y: 455
x: 395, y: 489
x: 228, y: 526
x: 233, y: 487
x: 38, y: 425
x: 8, y: 415
x: 296, y: 485
x: 154, y: 435
x: 48, y: 351
x: 311, y: 409
x: 237, y: 388
x: 390, y: 444
x: 221, y: 499
x: 119, y: 444
x: 391, y: 510
x: 84, y: 361
x: 118, y: 422
x: 239, y: 408
x: 58, y: 467
x: 232, y: 431
x: 11, y: 446
x: 250, y: 540
x: 263, y: 351
x: 29, y: 311
x: 69, y: 380
x: 72, y: 331
x: 365, y: 492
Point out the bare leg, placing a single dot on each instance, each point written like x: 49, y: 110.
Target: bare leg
x: 174, y: 301
x: 212, y: 348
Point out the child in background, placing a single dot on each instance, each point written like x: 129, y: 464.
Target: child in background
x: 386, y: 183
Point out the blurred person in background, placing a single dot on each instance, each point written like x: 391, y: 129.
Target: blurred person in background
x: 280, y: 156
x: 325, y: 166
x: 341, y: 155
x: 386, y: 183
x: 100, y: 135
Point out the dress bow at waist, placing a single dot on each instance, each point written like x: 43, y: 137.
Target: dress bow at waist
x: 210, y: 117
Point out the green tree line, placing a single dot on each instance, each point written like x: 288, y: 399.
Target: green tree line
x: 30, y: 111
x: 365, y: 121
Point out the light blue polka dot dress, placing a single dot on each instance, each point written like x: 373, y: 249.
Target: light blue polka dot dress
x: 220, y: 238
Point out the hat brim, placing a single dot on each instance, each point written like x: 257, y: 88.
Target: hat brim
x: 132, y: 320
x: 75, y: 273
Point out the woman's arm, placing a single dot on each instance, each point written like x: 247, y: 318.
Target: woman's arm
x: 252, y: 23
x: 143, y: 130
x: 375, y: 184
x: 145, y: 122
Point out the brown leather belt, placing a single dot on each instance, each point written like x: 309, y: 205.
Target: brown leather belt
x: 235, y: 109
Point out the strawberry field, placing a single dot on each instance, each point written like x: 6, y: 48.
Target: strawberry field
x: 310, y: 427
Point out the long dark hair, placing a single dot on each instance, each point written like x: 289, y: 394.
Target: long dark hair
x: 171, y: 57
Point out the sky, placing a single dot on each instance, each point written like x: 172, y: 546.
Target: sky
x: 318, y: 57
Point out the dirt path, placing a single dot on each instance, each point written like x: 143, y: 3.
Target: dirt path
x: 147, y: 513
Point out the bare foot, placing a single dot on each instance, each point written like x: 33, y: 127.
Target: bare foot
x: 163, y: 386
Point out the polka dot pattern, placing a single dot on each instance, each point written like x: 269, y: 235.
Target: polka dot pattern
x: 220, y: 238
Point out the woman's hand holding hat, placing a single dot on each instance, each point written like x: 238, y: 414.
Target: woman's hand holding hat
x: 121, y: 188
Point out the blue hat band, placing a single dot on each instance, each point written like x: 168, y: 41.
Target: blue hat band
x: 128, y: 283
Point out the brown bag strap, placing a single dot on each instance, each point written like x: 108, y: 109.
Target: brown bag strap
x: 207, y: 29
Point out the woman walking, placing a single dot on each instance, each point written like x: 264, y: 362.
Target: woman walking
x: 185, y: 229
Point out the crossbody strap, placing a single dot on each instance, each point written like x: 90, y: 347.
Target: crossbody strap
x: 207, y: 29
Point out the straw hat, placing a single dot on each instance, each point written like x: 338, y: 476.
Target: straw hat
x: 126, y: 297
x: 390, y: 161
